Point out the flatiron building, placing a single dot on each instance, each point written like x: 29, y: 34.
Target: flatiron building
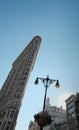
x: 13, y: 89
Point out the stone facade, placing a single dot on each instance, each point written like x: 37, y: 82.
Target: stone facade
x: 13, y: 89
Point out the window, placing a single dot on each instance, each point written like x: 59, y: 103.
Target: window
x: 71, y: 110
x: 8, y: 113
x: 20, y: 89
x: 12, y: 114
x: 3, y: 114
x: 22, y: 84
x: 32, y: 54
x: 15, y: 116
x: 18, y: 96
x: 70, y: 104
x: 4, y: 125
x: 24, y: 78
x: 8, y: 126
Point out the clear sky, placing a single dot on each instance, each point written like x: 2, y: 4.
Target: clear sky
x: 57, y: 23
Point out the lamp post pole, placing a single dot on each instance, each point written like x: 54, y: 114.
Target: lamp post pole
x: 47, y: 82
x: 45, y: 97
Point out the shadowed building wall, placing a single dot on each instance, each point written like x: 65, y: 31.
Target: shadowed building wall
x: 72, y: 107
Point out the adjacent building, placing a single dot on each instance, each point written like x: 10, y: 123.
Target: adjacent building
x: 72, y: 108
x: 13, y: 89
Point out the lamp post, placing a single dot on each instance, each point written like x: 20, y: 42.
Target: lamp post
x: 44, y: 118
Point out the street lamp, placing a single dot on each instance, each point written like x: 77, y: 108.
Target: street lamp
x: 44, y: 118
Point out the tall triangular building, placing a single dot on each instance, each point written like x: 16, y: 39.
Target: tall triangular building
x: 13, y: 89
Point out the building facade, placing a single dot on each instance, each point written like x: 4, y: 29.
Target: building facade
x: 13, y: 89
x: 72, y: 108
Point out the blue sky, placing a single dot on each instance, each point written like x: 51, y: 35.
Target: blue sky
x: 57, y: 23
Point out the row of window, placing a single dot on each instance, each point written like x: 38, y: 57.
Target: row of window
x: 14, y: 81
x: 71, y: 110
x: 22, y: 66
x: 9, y: 113
x: 13, y: 72
x: 71, y: 104
x: 7, y: 125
